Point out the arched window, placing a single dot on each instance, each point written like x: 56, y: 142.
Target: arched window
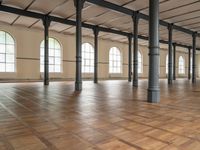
x: 167, y: 64
x: 181, y: 65
x: 140, y: 63
x: 7, y: 52
x: 115, y: 65
x: 87, y: 58
x: 54, y: 56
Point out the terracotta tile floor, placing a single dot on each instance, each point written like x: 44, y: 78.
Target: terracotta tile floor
x: 108, y: 116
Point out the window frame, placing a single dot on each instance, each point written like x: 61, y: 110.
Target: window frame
x: 181, y: 67
x: 139, y: 52
x: 115, y: 61
x: 90, y: 58
x: 54, y: 56
x: 6, y: 53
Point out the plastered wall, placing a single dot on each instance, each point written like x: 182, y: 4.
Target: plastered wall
x: 28, y: 56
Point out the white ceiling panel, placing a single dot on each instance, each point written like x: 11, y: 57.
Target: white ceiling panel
x: 17, y: 3
x: 45, y: 6
x: 25, y: 21
x: 7, y: 17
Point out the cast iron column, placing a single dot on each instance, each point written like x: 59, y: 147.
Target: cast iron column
x: 96, y: 33
x: 135, y: 51
x: 79, y: 6
x: 194, y: 57
x: 153, y: 83
x: 170, y: 54
x: 174, y: 61
x: 46, y: 23
x: 189, y: 63
x: 129, y: 57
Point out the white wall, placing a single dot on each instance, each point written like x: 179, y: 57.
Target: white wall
x: 28, y: 56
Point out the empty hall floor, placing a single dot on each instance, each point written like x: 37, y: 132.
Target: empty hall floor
x: 110, y: 115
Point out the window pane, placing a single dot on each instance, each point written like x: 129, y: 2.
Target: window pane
x: 57, y: 53
x: 10, y: 58
x: 57, y: 68
x: 41, y: 68
x: 51, y: 52
x: 57, y: 61
x: 2, y: 37
x: 9, y: 39
x: 2, y: 48
x: 41, y: 60
x: 51, y: 43
x: 10, y: 49
x: 51, y: 60
x: 57, y: 45
x: 2, y: 58
x: 10, y: 68
x: 2, y: 67
x: 51, y: 68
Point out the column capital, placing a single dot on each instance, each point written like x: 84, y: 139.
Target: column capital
x: 81, y: 2
x: 136, y: 16
x: 96, y: 30
x: 170, y: 26
x: 46, y: 21
x: 194, y: 34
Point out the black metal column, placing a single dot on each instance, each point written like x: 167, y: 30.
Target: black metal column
x: 135, y: 50
x: 194, y: 57
x: 154, y: 49
x: 129, y: 58
x: 79, y: 6
x: 96, y: 33
x: 174, y: 61
x: 46, y: 23
x: 170, y: 54
x: 189, y: 63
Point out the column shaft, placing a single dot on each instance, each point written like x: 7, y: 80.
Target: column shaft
x: 189, y: 63
x: 96, y: 32
x: 79, y: 5
x: 170, y: 54
x: 46, y: 23
x: 194, y: 58
x: 174, y: 61
x: 153, y: 83
x: 135, y: 50
x: 129, y: 58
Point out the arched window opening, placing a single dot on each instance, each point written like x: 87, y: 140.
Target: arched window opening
x: 167, y: 64
x: 7, y: 52
x: 87, y: 58
x: 115, y: 65
x: 140, y: 63
x: 181, y: 65
x: 54, y: 56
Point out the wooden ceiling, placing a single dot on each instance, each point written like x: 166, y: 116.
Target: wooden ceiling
x: 185, y: 13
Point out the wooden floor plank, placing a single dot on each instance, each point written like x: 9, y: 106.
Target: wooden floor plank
x: 111, y: 115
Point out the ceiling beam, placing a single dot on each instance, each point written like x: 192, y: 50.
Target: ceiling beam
x: 130, y: 12
x: 73, y: 23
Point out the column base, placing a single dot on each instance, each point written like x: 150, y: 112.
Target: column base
x: 78, y: 86
x: 153, y: 96
x: 95, y: 81
x: 170, y: 82
x: 135, y: 83
x: 46, y: 82
x: 194, y: 81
